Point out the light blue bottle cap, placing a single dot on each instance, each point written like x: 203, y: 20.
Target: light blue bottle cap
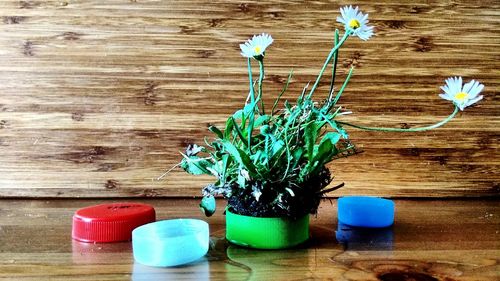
x: 365, y: 211
x: 170, y: 242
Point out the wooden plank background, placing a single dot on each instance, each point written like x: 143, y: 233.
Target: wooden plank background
x: 98, y: 97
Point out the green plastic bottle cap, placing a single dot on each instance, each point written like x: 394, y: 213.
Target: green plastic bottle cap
x: 266, y: 233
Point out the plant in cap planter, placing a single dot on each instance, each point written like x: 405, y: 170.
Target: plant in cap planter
x: 270, y: 162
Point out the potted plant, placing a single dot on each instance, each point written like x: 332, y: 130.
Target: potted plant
x: 270, y: 161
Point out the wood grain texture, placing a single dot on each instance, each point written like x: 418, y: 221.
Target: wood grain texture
x: 432, y: 240
x: 97, y: 98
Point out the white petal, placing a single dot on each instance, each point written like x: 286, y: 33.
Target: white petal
x: 466, y: 88
x: 454, y: 86
x: 262, y: 40
x: 458, y: 84
x: 475, y: 91
x: 342, y: 11
x: 364, y: 18
x: 448, y: 82
x: 341, y: 20
x: 446, y: 97
x: 474, y: 101
x: 356, y: 10
x: 345, y: 13
x: 445, y: 89
x: 365, y: 32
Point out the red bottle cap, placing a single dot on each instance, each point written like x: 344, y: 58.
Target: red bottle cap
x: 110, y: 222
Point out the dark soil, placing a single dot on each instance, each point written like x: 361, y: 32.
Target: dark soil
x: 306, y: 200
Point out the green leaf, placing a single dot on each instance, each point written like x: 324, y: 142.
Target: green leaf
x: 226, y: 161
x: 277, y: 147
x: 342, y: 132
x: 241, y: 180
x: 216, y: 131
x: 311, y: 135
x: 238, y: 130
x: 332, y: 137
x: 229, y: 128
x: 241, y: 115
x: 326, y: 149
x: 261, y: 120
x: 195, y: 165
x: 240, y: 156
x: 294, y: 114
x: 219, y: 168
x: 249, y: 108
x: 256, y: 156
x: 251, y: 119
x: 238, y: 114
x: 297, y: 155
x: 339, y: 129
x: 208, y: 205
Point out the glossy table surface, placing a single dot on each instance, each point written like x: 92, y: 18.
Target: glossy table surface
x: 431, y: 240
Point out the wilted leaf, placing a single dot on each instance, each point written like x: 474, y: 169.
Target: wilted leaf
x: 193, y: 149
x: 256, y: 192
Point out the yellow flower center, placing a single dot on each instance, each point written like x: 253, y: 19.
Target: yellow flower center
x: 354, y: 23
x: 461, y: 96
x: 257, y: 49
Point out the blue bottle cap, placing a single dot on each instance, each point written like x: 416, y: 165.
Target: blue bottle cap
x: 170, y: 242
x: 365, y: 211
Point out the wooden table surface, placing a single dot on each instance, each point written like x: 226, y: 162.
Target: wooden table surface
x: 431, y: 240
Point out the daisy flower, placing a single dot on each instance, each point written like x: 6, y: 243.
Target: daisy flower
x: 356, y: 22
x: 461, y: 96
x: 256, y: 46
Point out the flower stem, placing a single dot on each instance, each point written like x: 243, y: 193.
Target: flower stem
x: 252, y: 100
x: 418, y: 129
x: 341, y: 90
x: 250, y: 79
x: 334, y: 63
x: 261, y: 77
x: 250, y: 130
x: 282, y: 92
x: 327, y: 61
x: 267, y: 151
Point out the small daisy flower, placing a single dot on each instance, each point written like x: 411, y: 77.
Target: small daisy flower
x: 461, y: 96
x: 256, y: 46
x: 356, y: 22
